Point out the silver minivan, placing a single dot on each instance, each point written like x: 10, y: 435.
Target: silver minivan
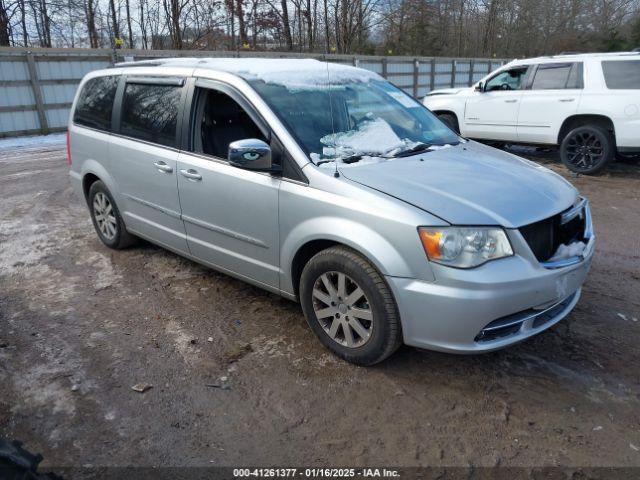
x: 328, y: 185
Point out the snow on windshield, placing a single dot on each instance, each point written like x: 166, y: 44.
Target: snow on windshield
x: 373, y: 137
x: 374, y: 140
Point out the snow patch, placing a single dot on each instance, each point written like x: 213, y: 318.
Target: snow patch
x: 567, y: 251
x: 33, y: 141
x: 374, y: 140
x: 374, y: 137
x: 294, y: 74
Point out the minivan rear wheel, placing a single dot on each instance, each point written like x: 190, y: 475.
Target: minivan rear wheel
x: 587, y: 149
x: 106, y: 218
x: 349, y: 306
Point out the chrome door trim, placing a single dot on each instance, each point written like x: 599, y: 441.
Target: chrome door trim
x: 166, y: 211
x: 225, y: 231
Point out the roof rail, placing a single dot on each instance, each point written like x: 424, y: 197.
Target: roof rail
x: 140, y: 63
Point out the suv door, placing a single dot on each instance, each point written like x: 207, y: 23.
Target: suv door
x: 230, y: 214
x: 144, y: 157
x: 552, y: 94
x: 492, y: 113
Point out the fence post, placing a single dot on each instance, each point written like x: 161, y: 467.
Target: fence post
x: 453, y: 73
x: 416, y: 72
x: 384, y: 68
x: 471, y: 65
x: 432, y: 76
x: 37, y: 93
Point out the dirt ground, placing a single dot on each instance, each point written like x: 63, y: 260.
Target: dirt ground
x: 81, y: 324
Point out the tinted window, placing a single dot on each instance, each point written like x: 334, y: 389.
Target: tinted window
x: 95, y: 103
x: 220, y: 121
x: 575, y: 76
x: 622, y: 74
x: 507, y: 80
x: 551, y: 77
x: 150, y: 112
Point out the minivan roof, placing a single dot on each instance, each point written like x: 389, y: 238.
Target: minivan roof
x: 303, y: 71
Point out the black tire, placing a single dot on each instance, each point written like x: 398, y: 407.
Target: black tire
x: 385, y: 330
x: 120, y: 238
x: 450, y: 120
x: 587, y: 149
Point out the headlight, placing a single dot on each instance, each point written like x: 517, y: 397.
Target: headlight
x: 464, y: 247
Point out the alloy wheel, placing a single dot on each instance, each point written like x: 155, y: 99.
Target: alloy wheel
x: 342, y: 309
x: 584, y: 150
x: 104, y: 215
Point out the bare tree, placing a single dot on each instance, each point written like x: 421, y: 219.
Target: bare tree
x: 5, y: 33
x: 115, y: 27
x: 127, y: 8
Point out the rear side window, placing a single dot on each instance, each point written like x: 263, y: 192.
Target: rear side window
x: 557, y: 76
x: 623, y: 74
x: 95, y: 103
x: 150, y: 112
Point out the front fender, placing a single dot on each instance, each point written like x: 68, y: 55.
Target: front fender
x: 447, y: 103
x: 377, y: 249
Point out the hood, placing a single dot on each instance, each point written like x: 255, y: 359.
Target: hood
x: 446, y: 91
x: 470, y: 184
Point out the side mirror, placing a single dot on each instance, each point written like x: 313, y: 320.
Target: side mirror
x: 251, y: 154
x: 479, y: 87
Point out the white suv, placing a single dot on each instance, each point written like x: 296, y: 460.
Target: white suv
x: 588, y: 104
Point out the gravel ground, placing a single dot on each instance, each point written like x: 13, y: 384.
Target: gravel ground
x: 81, y: 324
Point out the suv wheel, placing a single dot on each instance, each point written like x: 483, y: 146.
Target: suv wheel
x: 450, y: 120
x: 349, y: 306
x: 587, y: 149
x: 106, y: 218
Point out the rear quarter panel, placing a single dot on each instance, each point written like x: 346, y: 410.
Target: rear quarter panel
x: 621, y: 106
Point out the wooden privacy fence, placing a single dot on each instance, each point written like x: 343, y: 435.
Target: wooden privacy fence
x: 37, y: 85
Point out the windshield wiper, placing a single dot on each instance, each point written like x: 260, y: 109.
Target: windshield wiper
x: 352, y: 159
x: 349, y: 159
x: 421, y: 147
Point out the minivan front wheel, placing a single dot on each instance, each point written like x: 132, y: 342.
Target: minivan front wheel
x: 587, y: 149
x: 349, y: 306
x: 106, y: 218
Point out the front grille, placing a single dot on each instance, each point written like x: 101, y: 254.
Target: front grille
x: 512, y: 324
x: 544, y: 237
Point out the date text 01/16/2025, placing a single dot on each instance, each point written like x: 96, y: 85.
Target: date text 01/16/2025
x: 315, y: 472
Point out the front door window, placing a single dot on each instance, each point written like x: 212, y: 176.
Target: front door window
x: 511, y: 79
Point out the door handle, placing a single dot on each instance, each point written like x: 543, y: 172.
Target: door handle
x: 191, y: 174
x: 511, y: 101
x: 163, y: 167
x: 567, y: 99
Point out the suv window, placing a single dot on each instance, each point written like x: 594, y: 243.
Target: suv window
x: 95, y: 103
x: 150, y: 112
x: 622, y: 74
x: 557, y: 76
x: 508, y: 80
x: 220, y: 120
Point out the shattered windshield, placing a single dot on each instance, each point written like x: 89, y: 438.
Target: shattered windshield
x: 355, y: 121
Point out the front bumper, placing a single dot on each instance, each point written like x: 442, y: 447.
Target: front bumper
x: 458, y: 311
